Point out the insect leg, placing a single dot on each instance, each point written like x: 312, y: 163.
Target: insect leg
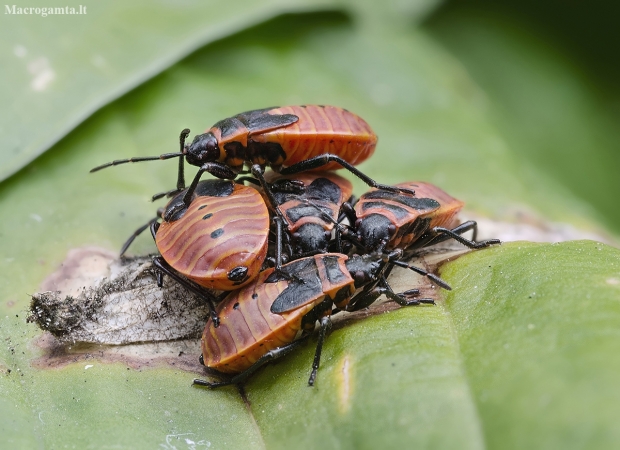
x: 257, y: 172
x: 348, y: 211
x: 404, y: 298
x: 321, y: 160
x: 440, y: 234
x: 365, y: 298
x: 325, y: 324
x: 181, y: 172
x: 278, y: 223
x: 341, y: 230
x: 216, y: 169
x: 161, y: 264
x: 169, y: 193
x: 434, y: 278
x: 137, y: 233
x: 242, y: 180
x: 155, y: 226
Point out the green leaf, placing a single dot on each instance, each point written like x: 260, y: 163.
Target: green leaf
x: 393, y: 380
x: 411, y: 377
x: 523, y: 354
x: 538, y: 333
x: 557, y: 113
x: 60, y: 69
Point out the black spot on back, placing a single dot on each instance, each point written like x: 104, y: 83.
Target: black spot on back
x: 217, y: 233
x: 421, y: 204
x: 299, y: 267
x: 297, y: 294
x: 207, y: 216
x: 213, y: 188
x: 296, y: 213
x: 334, y: 273
x: 324, y: 189
x: 207, y: 188
x: 399, y: 213
x: 304, y: 285
x: 258, y: 120
x: 283, y: 197
x: 229, y: 126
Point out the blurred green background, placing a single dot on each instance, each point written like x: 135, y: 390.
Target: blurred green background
x: 510, y: 106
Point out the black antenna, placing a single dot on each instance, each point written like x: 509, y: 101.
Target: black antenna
x: 434, y: 278
x: 165, y: 156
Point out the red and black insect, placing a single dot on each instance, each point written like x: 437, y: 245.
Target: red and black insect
x: 300, y: 137
x: 260, y: 322
x: 310, y: 206
x: 219, y: 242
x: 387, y: 220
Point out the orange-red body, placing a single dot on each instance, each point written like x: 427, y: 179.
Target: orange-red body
x: 318, y: 130
x: 329, y: 199
x: 410, y: 216
x: 215, y: 235
x: 248, y: 329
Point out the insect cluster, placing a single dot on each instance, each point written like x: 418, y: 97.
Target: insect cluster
x: 274, y: 253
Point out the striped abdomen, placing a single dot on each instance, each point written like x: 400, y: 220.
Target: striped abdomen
x: 319, y: 130
x: 325, y: 190
x: 248, y: 329
x: 217, y: 235
x: 410, y: 216
x: 449, y: 207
